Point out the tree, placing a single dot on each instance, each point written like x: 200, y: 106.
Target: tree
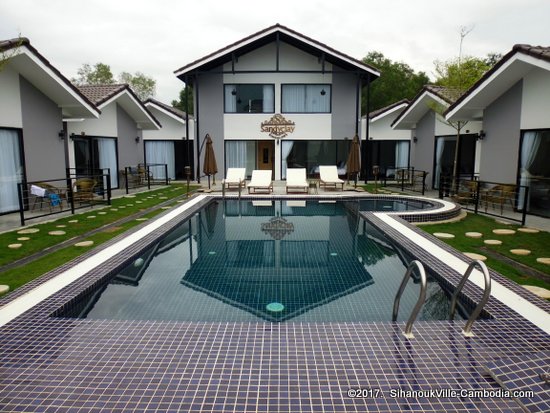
x: 460, y: 74
x: 397, y: 81
x: 99, y: 74
x: 143, y: 85
x: 180, y: 104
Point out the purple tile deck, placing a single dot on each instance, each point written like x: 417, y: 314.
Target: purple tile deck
x: 51, y: 364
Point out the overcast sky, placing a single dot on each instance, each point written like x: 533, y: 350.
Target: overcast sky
x: 158, y: 37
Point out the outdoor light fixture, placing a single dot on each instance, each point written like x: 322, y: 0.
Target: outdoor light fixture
x: 234, y: 92
x: 415, y: 139
x: 323, y: 93
x: 137, y: 139
x: 480, y: 135
x: 61, y: 134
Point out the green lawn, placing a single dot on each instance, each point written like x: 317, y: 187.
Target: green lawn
x: 538, y: 244
x: 123, y: 207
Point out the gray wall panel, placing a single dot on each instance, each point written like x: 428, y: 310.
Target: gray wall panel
x: 500, y: 147
x: 422, y: 156
x: 42, y: 121
x: 130, y: 153
x: 344, y: 115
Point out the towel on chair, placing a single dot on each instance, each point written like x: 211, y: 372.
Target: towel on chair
x: 38, y: 191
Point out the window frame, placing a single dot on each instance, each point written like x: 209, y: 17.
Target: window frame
x: 324, y: 85
x: 247, y: 84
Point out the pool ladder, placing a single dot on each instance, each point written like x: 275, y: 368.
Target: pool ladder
x: 467, y: 331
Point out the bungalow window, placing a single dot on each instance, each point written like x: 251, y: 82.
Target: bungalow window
x: 306, y: 98
x: 249, y: 98
x: 11, y: 169
x: 534, y: 172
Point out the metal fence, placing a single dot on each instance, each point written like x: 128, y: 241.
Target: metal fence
x: 407, y: 179
x: 145, y: 175
x: 38, y: 199
x: 498, y: 199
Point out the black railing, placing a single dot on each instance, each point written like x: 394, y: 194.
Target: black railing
x: 498, y: 199
x: 145, y: 175
x: 38, y: 199
x: 407, y: 179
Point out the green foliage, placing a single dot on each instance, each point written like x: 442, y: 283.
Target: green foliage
x: 397, y: 81
x: 180, y: 104
x: 99, y: 74
x: 460, y: 74
x: 143, y: 85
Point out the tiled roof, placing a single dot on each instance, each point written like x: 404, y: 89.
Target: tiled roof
x: 447, y: 94
x: 540, y: 52
x: 101, y: 93
x: 378, y: 112
x: 175, y: 111
x: 13, y: 43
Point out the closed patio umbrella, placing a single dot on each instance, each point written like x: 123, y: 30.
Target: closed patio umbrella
x: 210, y: 167
x: 354, y: 162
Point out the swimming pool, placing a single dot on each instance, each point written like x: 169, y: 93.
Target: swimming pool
x: 267, y: 260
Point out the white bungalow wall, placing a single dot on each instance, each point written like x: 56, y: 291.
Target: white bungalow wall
x: 10, y: 99
x: 536, y: 100
x: 171, y: 129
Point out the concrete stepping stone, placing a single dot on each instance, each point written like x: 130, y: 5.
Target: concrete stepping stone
x: 166, y: 207
x: 4, y: 289
x: 90, y: 216
x: 543, y: 261
x: 73, y: 221
x: 61, y: 226
x: 114, y: 209
x: 538, y: 291
x: 528, y: 230
x: 492, y: 242
x: 142, y: 219
x: 129, y: 196
x: 520, y: 251
x: 102, y: 213
x: 504, y: 231
x: 28, y: 231
x: 475, y: 256
x: 23, y: 238
x: 163, y: 197
x: 15, y: 246
x: 474, y: 234
x: 443, y: 235
x: 121, y: 207
x: 57, y: 232
x: 84, y: 244
x: 139, y: 202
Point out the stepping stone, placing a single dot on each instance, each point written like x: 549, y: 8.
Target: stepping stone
x: 492, y: 242
x: 90, y: 216
x: 528, y: 230
x: 163, y: 197
x: 61, y: 226
x: 129, y: 196
x: 23, y: 239
x: 520, y: 251
x: 166, y: 207
x: 474, y: 234
x: 84, y: 244
x: 538, y: 291
x: 475, y: 256
x: 129, y: 205
x: 139, y: 202
x: 4, y: 289
x: 73, y: 221
x: 142, y: 219
x: 57, y: 232
x: 15, y: 246
x: 28, y: 231
x: 504, y: 231
x: 114, y: 209
x: 122, y: 207
x: 102, y: 213
x: 543, y: 261
x: 443, y: 235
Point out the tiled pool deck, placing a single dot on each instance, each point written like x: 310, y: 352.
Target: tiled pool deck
x: 50, y: 364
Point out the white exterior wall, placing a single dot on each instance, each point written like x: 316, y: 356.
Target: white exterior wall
x: 10, y: 99
x: 171, y: 129
x: 381, y: 129
x: 535, y: 105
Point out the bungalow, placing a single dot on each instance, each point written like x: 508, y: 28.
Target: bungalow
x: 113, y: 140
x: 386, y: 148
x: 512, y: 100
x: 434, y: 139
x: 169, y: 145
x: 35, y: 100
x: 277, y: 99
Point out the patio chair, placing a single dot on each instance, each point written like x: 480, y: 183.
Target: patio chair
x: 500, y: 195
x: 296, y: 179
x: 261, y: 179
x: 46, y: 193
x: 83, y: 190
x: 235, y: 178
x: 467, y: 193
x: 329, y: 177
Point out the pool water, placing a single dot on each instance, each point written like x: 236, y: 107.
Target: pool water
x: 276, y: 260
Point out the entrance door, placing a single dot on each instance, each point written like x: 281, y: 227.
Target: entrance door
x: 266, y: 153
x: 93, y: 154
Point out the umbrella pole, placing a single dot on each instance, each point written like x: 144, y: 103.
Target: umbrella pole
x: 208, y: 181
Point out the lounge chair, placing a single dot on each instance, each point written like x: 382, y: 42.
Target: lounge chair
x: 235, y: 178
x: 329, y: 177
x: 296, y: 179
x: 261, y: 179
x: 83, y: 190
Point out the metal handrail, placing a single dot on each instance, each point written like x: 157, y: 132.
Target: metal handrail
x: 421, y: 299
x: 467, y: 331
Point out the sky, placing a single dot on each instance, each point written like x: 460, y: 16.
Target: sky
x: 158, y: 37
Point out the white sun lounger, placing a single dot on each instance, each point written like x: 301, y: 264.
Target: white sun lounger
x: 261, y: 180
x: 234, y: 178
x: 296, y: 179
x: 329, y: 176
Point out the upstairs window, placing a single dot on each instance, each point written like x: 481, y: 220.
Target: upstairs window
x: 306, y: 98
x: 249, y: 98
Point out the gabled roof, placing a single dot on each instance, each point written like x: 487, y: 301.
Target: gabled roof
x: 103, y: 95
x: 501, y: 77
x: 270, y: 35
x: 168, y: 110
x: 386, y: 110
x: 36, y: 69
x: 420, y: 105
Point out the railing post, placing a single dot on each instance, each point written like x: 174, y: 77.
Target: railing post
x: 476, y: 206
x: 424, y: 173
x: 21, y: 206
x: 126, y: 178
x: 524, y: 211
x: 109, y: 186
x: 166, y: 172
x: 148, y: 172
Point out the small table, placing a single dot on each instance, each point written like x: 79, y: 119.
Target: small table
x: 313, y: 186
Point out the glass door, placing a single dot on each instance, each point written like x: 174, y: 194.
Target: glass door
x: 11, y: 169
